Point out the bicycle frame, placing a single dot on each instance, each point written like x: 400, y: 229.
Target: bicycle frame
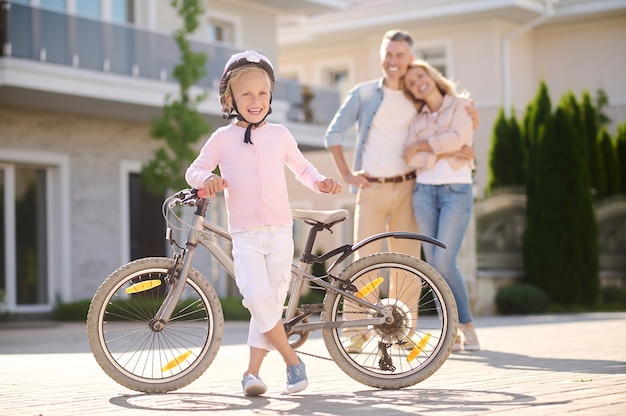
x: 208, y: 234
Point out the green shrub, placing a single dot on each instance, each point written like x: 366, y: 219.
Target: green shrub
x: 7, y: 317
x: 614, y: 296
x: 77, y: 311
x: 234, y: 310
x: 522, y: 299
x: 72, y: 311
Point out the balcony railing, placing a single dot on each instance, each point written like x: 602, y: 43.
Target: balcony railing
x: 47, y: 36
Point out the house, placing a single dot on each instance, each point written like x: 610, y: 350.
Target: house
x: 79, y: 83
x: 499, y: 51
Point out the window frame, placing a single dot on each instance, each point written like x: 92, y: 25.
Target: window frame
x: 58, y: 215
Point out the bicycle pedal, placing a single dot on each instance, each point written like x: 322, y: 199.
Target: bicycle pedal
x: 313, y: 308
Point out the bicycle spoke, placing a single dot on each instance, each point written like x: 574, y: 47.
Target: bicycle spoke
x: 416, y: 336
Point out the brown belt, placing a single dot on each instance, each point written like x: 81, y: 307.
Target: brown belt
x: 394, y: 179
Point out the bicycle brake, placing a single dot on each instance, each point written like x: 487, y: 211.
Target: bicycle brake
x: 345, y: 285
x: 174, y: 271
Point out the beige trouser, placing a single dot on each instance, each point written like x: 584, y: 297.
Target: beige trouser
x: 386, y: 207
x: 381, y: 208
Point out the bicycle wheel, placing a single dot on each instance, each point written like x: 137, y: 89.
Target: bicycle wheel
x: 135, y: 355
x: 403, y: 352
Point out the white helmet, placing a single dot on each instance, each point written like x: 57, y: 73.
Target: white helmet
x: 238, y: 60
x: 248, y: 57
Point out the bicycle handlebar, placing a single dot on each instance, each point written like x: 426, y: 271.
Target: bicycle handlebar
x: 188, y: 197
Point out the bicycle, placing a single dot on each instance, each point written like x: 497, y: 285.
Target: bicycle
x: 155, y: 324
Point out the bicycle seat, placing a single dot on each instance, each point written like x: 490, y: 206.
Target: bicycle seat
x: 324, y: 217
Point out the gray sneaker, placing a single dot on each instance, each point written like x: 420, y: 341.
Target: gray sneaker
x: 253, y: 385
x: 296, y: 378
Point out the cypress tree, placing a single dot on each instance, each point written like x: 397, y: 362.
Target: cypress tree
x: 519, y: 152
x: 535, y: 246
x: 507, y: 157
x: 583, y: 253
x: 500, y: 154
x: 609, y: 161
x: 562, y: 255
x: 620, y: 152
x: 537, y: 121
x: 539, y: 112
x: 526, y: 128
x: 589, y: 118
x: 602, y: 100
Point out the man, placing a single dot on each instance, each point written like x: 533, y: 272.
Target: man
x: 384, y: 182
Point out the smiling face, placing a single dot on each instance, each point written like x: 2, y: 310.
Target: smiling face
x: 396, y: 57
x: 419, y: 83
x: 251, y: 91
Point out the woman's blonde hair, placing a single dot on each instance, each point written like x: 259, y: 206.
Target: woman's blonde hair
x: 444, y: 85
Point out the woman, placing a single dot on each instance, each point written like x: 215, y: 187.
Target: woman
x: 443, y: 197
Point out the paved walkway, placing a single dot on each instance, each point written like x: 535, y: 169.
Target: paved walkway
x: 541, y: 365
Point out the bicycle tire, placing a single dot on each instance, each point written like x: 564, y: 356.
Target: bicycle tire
x: 136, y: 356
x: 405, y: 363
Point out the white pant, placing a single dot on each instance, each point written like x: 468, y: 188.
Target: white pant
x: 263, y: 257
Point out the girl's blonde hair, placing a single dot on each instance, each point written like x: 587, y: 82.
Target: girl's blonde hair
x: 444, y: 85
x: 226, y: 99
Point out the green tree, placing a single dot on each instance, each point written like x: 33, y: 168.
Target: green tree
x: 507, y: 155
x: 537, y: 120
x: 602, y: 100
x: 589, y: 118
x: 620, y: 152
x: 180, y: 125
x: 560, y: 250
x: 609, y: 161
x: 538, y: 113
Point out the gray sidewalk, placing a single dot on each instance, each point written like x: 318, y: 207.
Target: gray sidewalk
x: 540, y: 365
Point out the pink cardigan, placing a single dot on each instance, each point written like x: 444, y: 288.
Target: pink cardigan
x: 447, y: 132
x: 257, y: 188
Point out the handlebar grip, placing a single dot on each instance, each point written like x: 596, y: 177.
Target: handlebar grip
x: 201, y: 193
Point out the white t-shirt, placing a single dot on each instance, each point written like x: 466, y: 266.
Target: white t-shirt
x: 382, y: 155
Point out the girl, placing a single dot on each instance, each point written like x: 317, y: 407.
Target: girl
x: 251, y: 154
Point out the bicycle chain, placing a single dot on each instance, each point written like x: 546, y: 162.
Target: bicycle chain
x: 315, y: 356
x: 327, y: 358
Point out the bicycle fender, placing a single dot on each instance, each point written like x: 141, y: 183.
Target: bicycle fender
x: 398, y: 234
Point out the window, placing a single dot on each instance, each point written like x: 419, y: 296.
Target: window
x: 221, y: 31
x: 35, y: 232
x: 24, y: 247
x: 338, y: 79
x: 53, y: 4
x: 435, y: 57
x: 89, y: 8
x: 122, y: 11
x: 147, y: 226
x: 30, y: 236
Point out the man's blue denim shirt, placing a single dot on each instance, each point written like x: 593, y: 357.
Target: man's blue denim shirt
x: 359, y: 107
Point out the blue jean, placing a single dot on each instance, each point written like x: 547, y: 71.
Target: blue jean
x: 444, y: 212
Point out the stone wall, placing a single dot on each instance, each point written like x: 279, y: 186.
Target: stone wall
x: 494, y: 244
